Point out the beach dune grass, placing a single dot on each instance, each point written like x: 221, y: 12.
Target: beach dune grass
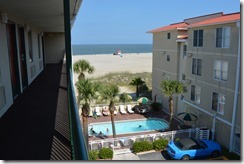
x: 124, y: 78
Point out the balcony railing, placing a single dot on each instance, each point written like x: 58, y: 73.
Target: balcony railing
x: 78, y: 145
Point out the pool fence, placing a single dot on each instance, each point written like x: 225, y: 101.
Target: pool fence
x: 127, y: 142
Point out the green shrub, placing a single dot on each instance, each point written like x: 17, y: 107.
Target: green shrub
x: 159, y: 144
x: 142, y: 146
x: 93, y: 155
x: 156, y: 106
x: 105, y: 153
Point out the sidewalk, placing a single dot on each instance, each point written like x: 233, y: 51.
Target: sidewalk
x: 126, y: 156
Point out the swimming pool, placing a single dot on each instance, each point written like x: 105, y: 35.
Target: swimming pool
x: 130, y: 126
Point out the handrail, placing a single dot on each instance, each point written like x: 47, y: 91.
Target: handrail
x: 78, y: 145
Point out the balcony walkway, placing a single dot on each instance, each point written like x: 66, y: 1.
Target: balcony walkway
x: 36, y: 125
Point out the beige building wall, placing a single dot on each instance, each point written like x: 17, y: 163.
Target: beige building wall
x: 54, y: 52
x: 54, y: 47
x: 165, y: 64
x: 209, y: 53
x: 162, y: 69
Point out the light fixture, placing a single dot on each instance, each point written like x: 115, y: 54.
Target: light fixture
x: 4, y: 18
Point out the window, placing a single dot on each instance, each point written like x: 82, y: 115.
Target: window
x: 39, y: 46
x: 184, y: 51
x: 30, y: 46
x: 195, y: 93
x: 198, y: 38
x: 223, y: 37
x: 218, y: 102
x: 168, y: 35
x: 220, y: 70
x: 168, y: 57
x: 197, y: 66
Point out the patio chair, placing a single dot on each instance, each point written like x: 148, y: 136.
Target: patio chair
x: 136, y: 109
x: 144, y: 110
x: 116, y: 110
x: 105, y: 111
x: 122, y: 109
x: 97, y: 110
x: 129, y: 109
x: 91, y: 112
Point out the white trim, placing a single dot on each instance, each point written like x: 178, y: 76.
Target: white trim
x: 165, y: 72
x: 213, y: 54
x: 206, y: 112
x: 236, y: 91
x: 210, y: 84
x: 165, y: 50
x: 213, y: 24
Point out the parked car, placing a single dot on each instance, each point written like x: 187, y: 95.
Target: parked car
x: 191, y: 148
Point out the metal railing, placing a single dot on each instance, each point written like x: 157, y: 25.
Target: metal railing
x: 127, y: 142
x: 78, y: 145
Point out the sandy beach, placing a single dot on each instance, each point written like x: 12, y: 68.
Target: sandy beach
x: 106, y: 63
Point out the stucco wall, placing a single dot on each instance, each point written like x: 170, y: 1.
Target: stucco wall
x: 54, y: 44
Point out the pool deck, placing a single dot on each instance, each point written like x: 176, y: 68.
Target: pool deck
x: 153, y: 114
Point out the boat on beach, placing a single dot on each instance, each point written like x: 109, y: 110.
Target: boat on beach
x: 118, y: 52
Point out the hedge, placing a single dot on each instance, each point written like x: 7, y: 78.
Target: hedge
x: 159, y: 144
x: 105, y: 153
x: 142, y: 146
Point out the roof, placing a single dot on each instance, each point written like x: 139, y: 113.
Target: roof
x: 169, y: 27
x: 226, y: 18
x: 219, y: 18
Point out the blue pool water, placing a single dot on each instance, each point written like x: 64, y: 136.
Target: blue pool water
x: 131, y: 126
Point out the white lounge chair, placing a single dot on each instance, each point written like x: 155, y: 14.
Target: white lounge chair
x: 116, y: 110
x: 91, y: 112
x: 105, y: 111
x: 144, y: 110
x: 97, y: 110
x: 129, y: 109
x: 122, y: 109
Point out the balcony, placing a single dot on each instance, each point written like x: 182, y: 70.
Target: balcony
x: 38, y: 125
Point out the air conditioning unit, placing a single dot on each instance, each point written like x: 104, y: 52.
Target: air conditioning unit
x: 189, y: 54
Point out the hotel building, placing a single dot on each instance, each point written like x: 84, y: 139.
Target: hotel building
x: 204, y: 53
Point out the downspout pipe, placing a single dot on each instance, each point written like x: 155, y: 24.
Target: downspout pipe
x: 236, y: 92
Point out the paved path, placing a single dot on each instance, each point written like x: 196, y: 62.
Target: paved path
x: 126, y: 156
x: 152, y: 155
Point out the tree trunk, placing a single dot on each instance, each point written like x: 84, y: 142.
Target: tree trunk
x: 137, y: 91
x: 85, y: 110
x: 171, y: 108
x: 111, y: 109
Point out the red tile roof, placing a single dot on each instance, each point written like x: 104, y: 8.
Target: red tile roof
x: 169, y: 27
x: 226, y: 18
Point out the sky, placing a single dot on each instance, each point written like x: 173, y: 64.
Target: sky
x: 127, y: 21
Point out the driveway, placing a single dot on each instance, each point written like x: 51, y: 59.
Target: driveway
x: 157, y: 155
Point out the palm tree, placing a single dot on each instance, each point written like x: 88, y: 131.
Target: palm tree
x: 137, y: 82
x: 82, y: 66
x: 170, y: 88
x: 125, y: 97
x: 109, y: 93
x: 86, y: 93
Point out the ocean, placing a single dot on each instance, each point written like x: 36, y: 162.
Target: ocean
x: 92, y: 49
